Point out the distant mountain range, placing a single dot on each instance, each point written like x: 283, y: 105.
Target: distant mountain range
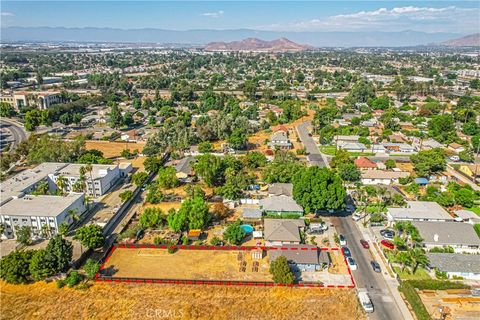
x: 203, y: 37
x: 257, y: 45
x: 472, y: 40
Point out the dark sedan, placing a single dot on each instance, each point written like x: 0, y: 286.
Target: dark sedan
x: 375, y: 266
x: 346, y: 252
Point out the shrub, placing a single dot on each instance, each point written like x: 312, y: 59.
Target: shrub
x: 73, y: 279
x: 60, y: 283
x: 414, y: 300
x: 215, y: 241
x: 437, y: 285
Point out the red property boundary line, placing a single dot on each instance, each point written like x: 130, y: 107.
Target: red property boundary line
x: 99, y: 278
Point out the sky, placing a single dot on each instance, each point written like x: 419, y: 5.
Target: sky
x: 426, y: 16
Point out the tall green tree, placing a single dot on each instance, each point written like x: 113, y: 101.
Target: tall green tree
x: 317, y: 188
x: 90, y: 236
x: 281, y: 272
x: 15, y: 267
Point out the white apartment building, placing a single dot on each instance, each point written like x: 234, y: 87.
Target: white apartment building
x: 43, y: 214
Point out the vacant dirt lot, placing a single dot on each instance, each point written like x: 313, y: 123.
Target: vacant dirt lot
x: 141, y: 301
x: 113, y: 149
x: 461, y: 303
x: 185, y: 264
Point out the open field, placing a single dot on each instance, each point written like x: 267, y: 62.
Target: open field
x: 185, y: 264
x: 113, y: 149
x: 133, y: 301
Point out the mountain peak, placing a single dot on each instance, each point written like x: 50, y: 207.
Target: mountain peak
x: 257, y: 45
x: 472, y: 40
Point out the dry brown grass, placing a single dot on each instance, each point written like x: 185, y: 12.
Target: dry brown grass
x: 113, y: 149
x: 140, y: 301
x: 185, y: 264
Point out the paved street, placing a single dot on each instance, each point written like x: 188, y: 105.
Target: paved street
x: 17, y: 132
x: 365, y: 278
x: 314, y: 155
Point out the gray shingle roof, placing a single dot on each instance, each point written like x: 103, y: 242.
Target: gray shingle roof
x: 303, y: 254
x: 447, y: 233
x: 184, y: 165
x: 251, y: 213
x: 420, y: 210
x: 280, y: 204
x: 454, y: 262
x: 282, y: 229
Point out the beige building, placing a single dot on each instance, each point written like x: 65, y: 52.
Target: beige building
x: 41, y: 100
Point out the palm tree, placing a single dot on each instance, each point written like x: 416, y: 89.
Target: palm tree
x: 89, y: 168
x: 417, y: 259
x: 62, y: 183
x: 72, y: 213
x: 42, y: 188
x: 403, y: 258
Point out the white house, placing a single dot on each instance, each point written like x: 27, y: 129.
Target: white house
x: 375, y: 177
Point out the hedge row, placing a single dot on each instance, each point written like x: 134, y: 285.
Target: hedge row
x: 414, y: 300
x: 437, y: 285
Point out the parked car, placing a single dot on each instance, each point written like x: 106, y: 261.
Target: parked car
x: 357, y: 216
x: 343, y: 241
x: 387, y: 244
x: 387, y: 234
x: 351, y: 263
x: 376, y: 266
x: 365, y: 301
x: 364, y: 244
x: 346, y: 252
x: 455, y: 158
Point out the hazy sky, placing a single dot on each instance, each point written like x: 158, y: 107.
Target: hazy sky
x: 359, y: 15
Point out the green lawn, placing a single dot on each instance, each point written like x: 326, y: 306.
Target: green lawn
x: 421, y: 274
x: 476, y: 210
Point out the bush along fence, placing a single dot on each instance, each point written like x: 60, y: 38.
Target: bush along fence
x: 108, y: 253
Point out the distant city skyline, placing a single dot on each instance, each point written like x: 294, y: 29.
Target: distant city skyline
x: 389, y: 16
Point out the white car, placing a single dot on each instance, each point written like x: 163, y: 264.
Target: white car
x: 365, y: 301
x: 351, y: 263
x: 343, y: 241
x: 357, y: 216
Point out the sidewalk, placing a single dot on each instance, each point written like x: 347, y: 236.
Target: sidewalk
x: 391, y: 281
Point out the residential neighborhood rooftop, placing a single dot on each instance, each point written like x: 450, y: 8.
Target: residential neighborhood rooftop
x: 42, y: 206
x: 454, y: 262
x: 447, y: 233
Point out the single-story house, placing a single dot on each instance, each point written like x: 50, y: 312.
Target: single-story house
x: 278, y: 232
x: 374, y: 177
x: 343, y: 139
x: 279, y: 140
x: 431, y: 144
x: 281, y: 205
x: 458, y: 235
x: 455, y: 147
x: 418, y: 211
x: 278, y: 189
x: 302, y: 257
x: 394, y: 147
x: 184, y: 168
x: 466, y: 266
x: 365, y: 163
x: 250, y: 214
x: 352, y: 146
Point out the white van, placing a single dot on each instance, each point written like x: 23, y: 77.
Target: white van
x: 365, y: 301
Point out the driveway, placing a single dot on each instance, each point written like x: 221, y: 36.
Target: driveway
x: 315, y: 157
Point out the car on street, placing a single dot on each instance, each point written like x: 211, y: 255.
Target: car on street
x: 387, y: 244
x: 357, y: 216
x: 351, y: 263
x: 376, y: 266
x: 365, y: 301
x: 343, y: 241
x: 364, y: 244
x: 346, y: 252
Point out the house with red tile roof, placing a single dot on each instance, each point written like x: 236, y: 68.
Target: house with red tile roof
x: 364, y: 163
